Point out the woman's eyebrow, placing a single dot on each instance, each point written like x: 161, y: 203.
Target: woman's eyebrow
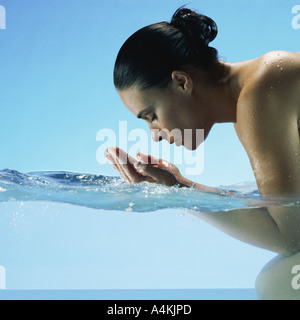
x: 143, y: 112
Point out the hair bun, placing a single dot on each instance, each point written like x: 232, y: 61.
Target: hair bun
x: 196, y: 26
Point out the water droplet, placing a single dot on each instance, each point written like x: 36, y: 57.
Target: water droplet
x: 296, y: 153
x: 290, y: 176
x: 281, y: 69
x: 271, y: 87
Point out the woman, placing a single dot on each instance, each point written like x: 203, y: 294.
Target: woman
x: 168, y: 75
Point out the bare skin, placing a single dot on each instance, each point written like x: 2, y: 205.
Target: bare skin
x: 261, y: 98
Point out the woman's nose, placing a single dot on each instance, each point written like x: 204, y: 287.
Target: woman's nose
x: 156, y: 136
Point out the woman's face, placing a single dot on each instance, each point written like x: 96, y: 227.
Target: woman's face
x: 169, y: 113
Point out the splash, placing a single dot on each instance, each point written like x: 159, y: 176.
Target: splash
x: 112, y: 193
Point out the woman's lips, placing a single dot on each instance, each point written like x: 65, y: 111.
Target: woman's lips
x: 178, y: 142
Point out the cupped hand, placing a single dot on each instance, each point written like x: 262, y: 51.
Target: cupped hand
x: 145, y: 168
x: 160, y: 163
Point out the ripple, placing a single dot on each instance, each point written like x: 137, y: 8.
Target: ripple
x: 112, y: 193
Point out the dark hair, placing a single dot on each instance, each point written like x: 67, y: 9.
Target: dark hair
x: 148, y: 58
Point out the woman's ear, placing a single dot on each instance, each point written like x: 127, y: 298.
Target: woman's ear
x: 182, y: 81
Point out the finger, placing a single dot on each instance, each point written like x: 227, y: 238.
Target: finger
x: 130, y: 160
x: 123, y: 174
x: 117, y: 166
x: 158, y: 163
x: 148, y: 159
x: 149, y: 170
x: 122, y: 162
x: 124, y: 158
x: 110, y: 159
x: 126, y: 165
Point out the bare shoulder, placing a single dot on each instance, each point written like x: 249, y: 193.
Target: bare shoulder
x: 279, y: 57
x: 268, y: 115
x: 273, y: 85
x: 273, y: 70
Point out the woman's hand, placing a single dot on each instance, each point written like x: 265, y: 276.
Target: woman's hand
x: 160, y: 163
x: 145, y: 168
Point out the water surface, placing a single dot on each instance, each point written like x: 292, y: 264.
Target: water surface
x: 112, y: 193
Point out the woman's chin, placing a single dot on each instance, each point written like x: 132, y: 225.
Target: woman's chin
x: 192, y: 143
x: 191, y: 146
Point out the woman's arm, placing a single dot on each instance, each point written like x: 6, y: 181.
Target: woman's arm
x: 272, y: 228
x: 183, y: 182
x: 189, y: 183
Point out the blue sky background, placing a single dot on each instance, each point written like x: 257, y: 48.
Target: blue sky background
x: 56, y: 86
x: 56, y: 93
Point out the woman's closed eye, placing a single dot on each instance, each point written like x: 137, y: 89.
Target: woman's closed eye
x: 153, y: 118
x: 149, y: 117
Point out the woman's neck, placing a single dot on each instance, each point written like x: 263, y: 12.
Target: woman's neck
x: 224, y: 94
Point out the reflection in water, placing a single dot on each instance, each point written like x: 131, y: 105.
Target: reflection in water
x: 275, y: 228
x: 271, y: 225
x: 280, y: 279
